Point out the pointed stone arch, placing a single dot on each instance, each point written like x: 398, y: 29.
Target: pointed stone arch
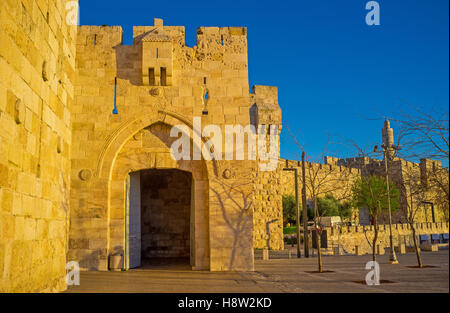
x: 135, y: 156
x: 110, y: 182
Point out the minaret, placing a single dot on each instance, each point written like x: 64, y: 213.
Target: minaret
x: 387, y: 134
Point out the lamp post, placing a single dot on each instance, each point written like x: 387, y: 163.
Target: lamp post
x: 305, y: 212
x: 392, y: 255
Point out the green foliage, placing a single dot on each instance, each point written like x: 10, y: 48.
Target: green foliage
x: 371, y: 192
x: 330, y: 206
x: 290, y: 230
x: 289, y: 207
x: 346, y: 211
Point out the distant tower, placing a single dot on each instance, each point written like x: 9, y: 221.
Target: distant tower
x: 387, y: 134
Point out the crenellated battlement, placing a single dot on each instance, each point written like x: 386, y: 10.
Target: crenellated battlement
x: 102, y: 36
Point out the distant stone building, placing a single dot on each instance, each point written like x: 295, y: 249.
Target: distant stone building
x: 428, y: 175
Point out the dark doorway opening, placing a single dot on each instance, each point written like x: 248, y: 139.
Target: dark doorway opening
x: 165, y: 218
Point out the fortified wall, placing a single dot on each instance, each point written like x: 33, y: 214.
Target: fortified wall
x: 423, y: 186
x: 349, y: 237
x: 83, y: 118
x: 85, y: 123
x: 37, y: 70
x: 330, y: 178
x: 127, y: 101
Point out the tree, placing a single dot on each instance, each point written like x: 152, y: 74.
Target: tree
x: 323, y: 179
x: 371, y: 192
x: 330, y: 206
x: 414, y: 190
x: 289, y: 206
x: 424, y: 134
x: 438, y: 184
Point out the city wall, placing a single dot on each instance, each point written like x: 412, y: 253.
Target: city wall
x: 37, y: 70
x: 350, y: 237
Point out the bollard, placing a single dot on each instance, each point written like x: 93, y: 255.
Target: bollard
x: 290, y: 254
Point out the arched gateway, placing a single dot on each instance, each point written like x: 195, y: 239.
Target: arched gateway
x: 126, y: 198
x: 152, y: 200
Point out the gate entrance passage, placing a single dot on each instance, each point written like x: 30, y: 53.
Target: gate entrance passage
x: 159, y: 218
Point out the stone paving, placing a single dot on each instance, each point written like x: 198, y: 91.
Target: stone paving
x: 281, y: 276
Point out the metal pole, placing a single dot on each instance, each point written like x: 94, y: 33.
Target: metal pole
x: 432, y: 212
x: 297, y: 209
x: 392, y: 256
x: 305, y: 210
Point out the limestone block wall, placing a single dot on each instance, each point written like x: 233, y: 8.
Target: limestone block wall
x: 268, y: 215
x: 268, y: 211
x: 216, y: 65
x: 328, y: 178
x: 37, y: 72
x: 351, y: 236
x: 428, y: 176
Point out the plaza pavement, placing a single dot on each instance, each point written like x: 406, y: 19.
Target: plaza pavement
x: 281, y: 276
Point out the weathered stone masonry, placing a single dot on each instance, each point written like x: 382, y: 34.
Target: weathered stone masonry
x: 37, y: 71
x: 65, y: 157
x: 162, y: 83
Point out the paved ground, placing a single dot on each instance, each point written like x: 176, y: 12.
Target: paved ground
x: 281, y: 275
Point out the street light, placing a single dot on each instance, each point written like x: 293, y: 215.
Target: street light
x: 392, y: 255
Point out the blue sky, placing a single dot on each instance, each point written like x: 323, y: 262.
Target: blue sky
x: 334, y: 72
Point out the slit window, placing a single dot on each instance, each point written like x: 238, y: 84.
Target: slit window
x: 95, y: 40
x: 157, y: 53
x: 151, y: 76
x: 163, y: 76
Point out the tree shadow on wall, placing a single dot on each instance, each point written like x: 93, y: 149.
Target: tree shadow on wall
x: 268, y: 231
x: 235, y: 200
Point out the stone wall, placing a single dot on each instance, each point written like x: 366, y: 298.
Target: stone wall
x: 337, y: 177
x: 417, y: 182
x: 166, y: 210
x: 268, y: 210
x: 349, y: 237
x: 104, y: 143
x: 37, y: 62
x: 328, y: 178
